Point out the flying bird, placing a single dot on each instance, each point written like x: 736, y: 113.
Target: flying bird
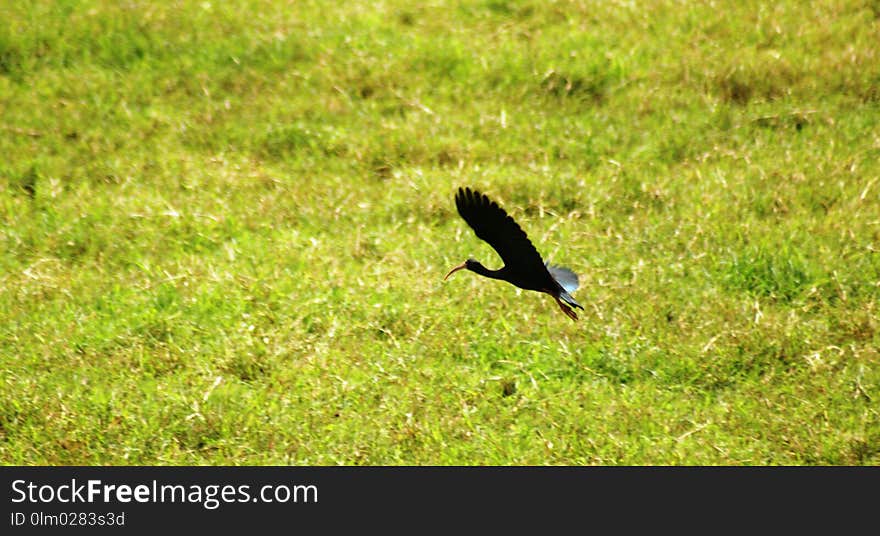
x: 523, y: 265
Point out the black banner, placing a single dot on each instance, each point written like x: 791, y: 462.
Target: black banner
x: 542, y: 499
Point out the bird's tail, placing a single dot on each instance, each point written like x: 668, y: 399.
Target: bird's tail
x: 567, y: 279
x: 566, y: 297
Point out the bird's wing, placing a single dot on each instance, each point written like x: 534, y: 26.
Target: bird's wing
x: 497, y: 228
x: 564, y: 276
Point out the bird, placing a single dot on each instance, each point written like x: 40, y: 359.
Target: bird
x: 523, y: 265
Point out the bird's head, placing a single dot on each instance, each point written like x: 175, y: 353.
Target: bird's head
x: 466, y: 265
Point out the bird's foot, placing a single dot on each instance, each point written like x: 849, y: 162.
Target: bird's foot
x: 569, y: 312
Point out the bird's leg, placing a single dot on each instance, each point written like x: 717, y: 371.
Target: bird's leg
x: 569, y: 312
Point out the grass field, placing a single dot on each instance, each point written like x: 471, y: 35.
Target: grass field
x: 225, y: 227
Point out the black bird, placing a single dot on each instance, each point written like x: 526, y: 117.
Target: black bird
x: 523, y: 265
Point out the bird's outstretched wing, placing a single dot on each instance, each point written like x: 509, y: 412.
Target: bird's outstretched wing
x: 498, y: 229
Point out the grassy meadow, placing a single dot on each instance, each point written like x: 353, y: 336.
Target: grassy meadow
x: 225, y: 227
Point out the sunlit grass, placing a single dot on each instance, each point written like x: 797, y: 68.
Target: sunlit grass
x: 225, y: 227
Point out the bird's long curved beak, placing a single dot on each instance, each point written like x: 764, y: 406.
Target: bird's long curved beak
x: 461, y: 266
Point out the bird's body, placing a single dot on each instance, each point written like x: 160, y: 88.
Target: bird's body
x: 523, y: 265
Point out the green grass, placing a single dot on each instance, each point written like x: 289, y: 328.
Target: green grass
x: 225, y: 227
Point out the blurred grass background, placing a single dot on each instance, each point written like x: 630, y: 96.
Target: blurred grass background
x: 225, y: 227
